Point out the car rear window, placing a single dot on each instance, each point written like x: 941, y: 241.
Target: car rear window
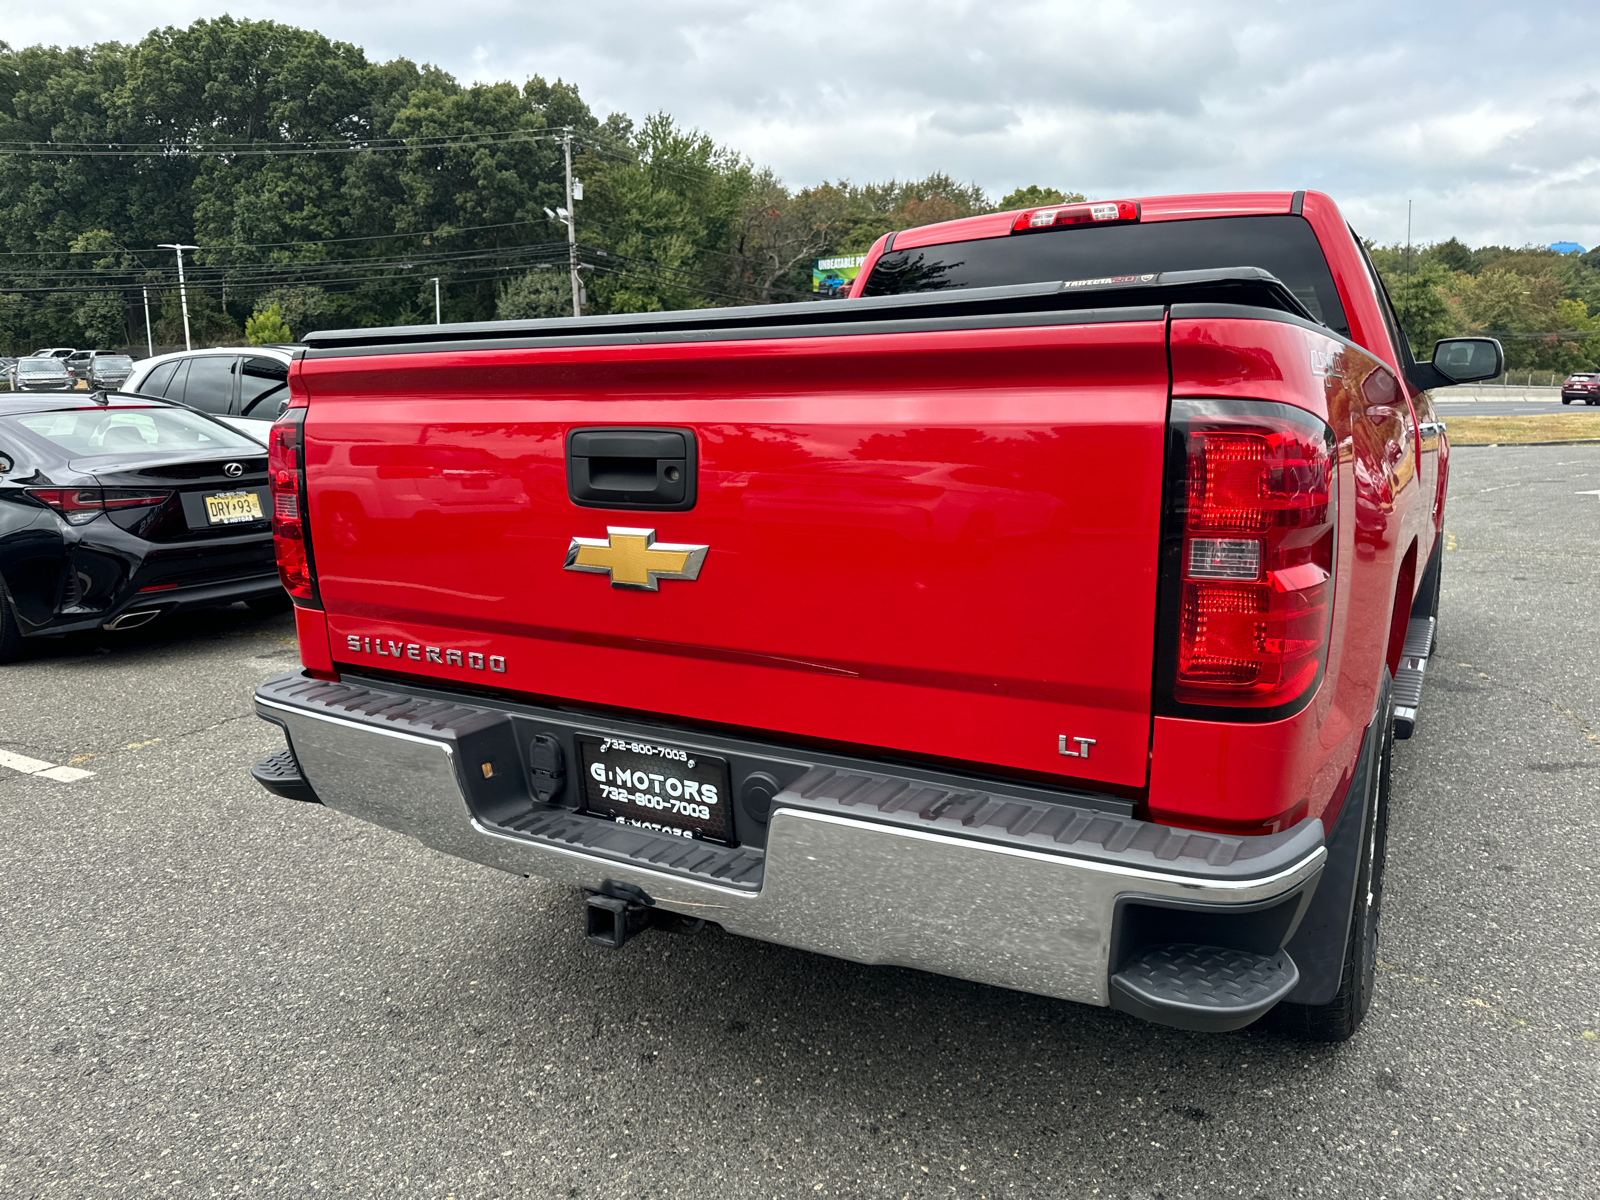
x: 118, y: 432
x: 1284, y: 245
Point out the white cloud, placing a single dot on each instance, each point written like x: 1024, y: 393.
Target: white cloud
x: 1477, y: 113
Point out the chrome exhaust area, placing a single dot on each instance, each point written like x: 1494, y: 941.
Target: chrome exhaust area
x: 132, y: 620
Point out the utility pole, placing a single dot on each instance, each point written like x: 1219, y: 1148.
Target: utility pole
x: 572, y: 223
x: 149, y: 338
x: 1408, y: 237
x: 183, y: 293
x: 437, y: 319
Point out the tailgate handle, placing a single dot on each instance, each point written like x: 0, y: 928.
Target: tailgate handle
x: 631, y: 468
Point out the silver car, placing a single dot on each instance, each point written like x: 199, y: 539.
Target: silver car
x: 42, y: 375
x: 108, y: 372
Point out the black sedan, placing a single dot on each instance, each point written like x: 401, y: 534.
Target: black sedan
x: 117, y: 509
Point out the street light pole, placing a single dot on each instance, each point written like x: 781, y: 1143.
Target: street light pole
x: 183, y: 292
x: 572, y: 223
x: 437, y: 318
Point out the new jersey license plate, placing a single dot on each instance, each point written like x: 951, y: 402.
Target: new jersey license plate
x: 230, y: 508
x: 654, y: 786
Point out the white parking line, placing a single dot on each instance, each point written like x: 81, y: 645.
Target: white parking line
x: 45, y: 770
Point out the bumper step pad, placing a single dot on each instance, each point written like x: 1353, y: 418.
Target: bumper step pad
x: 1409, y: 678
x: 280, y: 774
x: 1208, y: 989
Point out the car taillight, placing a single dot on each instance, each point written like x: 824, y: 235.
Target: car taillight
x: 1100, y: 213
x: 122, y: 498
x: 78, y: 506
x: 287, y: 479
x: 1248, y: 544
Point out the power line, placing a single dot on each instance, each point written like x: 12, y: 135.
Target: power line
x: 306, y: 267
x: 273, y: 150
x: 421, y: 137
x: 270, y: 277
x: 442, y: 231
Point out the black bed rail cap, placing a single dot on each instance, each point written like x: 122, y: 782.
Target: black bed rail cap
x: 1237, y: 285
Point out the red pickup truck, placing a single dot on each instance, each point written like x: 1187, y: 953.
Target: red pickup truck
x: 1041, y: 614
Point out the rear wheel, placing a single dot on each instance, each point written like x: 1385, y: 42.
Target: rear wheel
x: 1568, y: 400
x: 1336, y: 1020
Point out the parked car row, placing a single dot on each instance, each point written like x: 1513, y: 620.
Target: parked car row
x: 143, y: 496
x: 247, y: 386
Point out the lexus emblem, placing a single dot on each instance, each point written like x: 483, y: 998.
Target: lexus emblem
x: 233, y: 470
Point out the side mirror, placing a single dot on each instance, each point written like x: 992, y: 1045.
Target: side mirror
x: 1467, y: 360
x: 1459, y: 360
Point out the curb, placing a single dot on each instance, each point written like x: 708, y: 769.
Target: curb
x: 1502, y: 445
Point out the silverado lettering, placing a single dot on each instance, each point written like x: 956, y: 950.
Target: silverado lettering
x: 419, y: 653
x: 1159, y: 479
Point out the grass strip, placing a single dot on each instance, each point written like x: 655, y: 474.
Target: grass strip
x: 1508, y: 431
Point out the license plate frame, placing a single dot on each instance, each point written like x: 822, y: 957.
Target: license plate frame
x: 217, y: 514
x: 631, y: 781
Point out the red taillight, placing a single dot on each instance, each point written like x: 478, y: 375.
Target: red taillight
x: 123, y: 498
x: 78, y: 506
x: 1251, y: 535
x: 1099, y: 213
x: 81, y: 505
x: 286, y: 477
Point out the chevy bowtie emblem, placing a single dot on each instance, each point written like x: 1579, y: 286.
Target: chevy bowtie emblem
x: 634, y: 559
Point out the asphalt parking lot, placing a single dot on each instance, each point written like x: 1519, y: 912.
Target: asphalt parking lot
x: 208, y: 991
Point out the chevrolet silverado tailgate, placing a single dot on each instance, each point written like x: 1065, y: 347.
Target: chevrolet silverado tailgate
x: 938, y: 544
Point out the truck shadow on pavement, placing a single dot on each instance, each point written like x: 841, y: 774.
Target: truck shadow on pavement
x: 889, y: 1066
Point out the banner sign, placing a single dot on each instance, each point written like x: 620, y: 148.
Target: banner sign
x: 832, y: 277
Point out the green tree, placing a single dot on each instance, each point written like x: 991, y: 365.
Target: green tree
x: 664, y: 218
x: 535, y: 295
x: 1420, y: 304
x: 267, y: 326
x: 1451, y: 254
x: 1034, y: 196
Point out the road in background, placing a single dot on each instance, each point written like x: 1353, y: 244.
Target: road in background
x: 211, y: 991
x: 1509, y: 408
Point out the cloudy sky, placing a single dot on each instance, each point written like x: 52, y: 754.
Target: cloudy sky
x: 1486, y: 117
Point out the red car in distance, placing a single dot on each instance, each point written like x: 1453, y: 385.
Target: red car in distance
x: 1583, y: 386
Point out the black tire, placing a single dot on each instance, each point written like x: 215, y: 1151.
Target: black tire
x: 267, y: 605
x: 10, y: 632
x: 1568, y: 400
x: 1338, y: 1019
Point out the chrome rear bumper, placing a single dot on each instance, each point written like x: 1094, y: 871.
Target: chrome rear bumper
x: 867, y: 889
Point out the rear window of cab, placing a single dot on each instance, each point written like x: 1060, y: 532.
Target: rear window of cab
x: 1282, y: 244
